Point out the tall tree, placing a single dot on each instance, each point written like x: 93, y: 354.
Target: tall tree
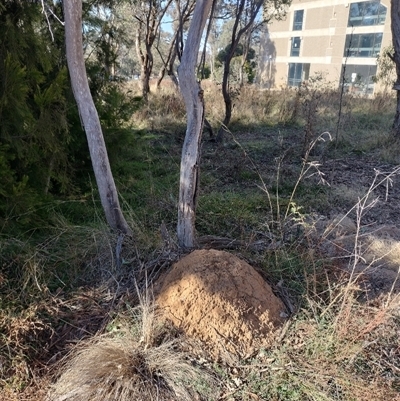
x: 244, y: 16
x: 149, y: 15
x: 194, y: 102
x: 104, y: 36
x: 34, y: 132
x: 89, y: 116
x: 395, y: 19
x: 245, y: 13
x: 168, y: 62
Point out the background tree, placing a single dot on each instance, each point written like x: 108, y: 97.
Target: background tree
x: 168, y: 61
x: 108, y: 41
x: 124, y: 25
x: 89, y: 116
x: 395, y: 20
x: 149, y: 15
x: 211, y: 47
x: 247, y: 59
x: 386, y: 74
x: 180, y: 12
x: 244, y: 58
x: 244, y: 16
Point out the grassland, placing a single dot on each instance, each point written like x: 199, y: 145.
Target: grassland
x: 287, y: 156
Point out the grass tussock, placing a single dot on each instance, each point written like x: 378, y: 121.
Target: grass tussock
x: 136, y: 360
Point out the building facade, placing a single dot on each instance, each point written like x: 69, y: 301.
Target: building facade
x: 328, y: 37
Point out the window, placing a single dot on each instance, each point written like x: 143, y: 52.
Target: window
x: 298, y: 20
x: 367, y: 13
x: 359, y: 78
x: 298, y: 72
x: 295, y: 48
x: 363, y: 45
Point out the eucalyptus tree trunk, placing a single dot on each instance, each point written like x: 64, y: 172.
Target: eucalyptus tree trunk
x: 252, y: 7
x: 89, y: 117
x: 395, y: 19
x: 194, y: 102
x: 146, y: 61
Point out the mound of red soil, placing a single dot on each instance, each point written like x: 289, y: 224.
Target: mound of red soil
x: 215, y: 297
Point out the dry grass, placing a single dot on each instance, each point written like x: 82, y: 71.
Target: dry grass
x: 40, y: 313
x: 137, y: 360
x: 122, y: 369
x: 334, y: 348
x: 338, y: 346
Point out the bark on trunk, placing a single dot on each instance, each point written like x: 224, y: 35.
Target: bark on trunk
x: 145, y: 81
x: 193, y: 97
x: 90, y: 118
x: 395, y: 19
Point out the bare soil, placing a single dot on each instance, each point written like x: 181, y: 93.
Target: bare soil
x: 372, y: 246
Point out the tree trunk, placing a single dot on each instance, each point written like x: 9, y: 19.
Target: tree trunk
x: 89, y: 117
x: 149, y: 15
x: 145, y: 72
x: 226, y: 94
x: 246, y: 47
x: 203, y: 55
x: 235, y: 39
x: 396, y: 121
x: 227, y: 67
x: 144, y: 58
x: 395, y: 19
x: 193, y: 97
x: 168, y: 64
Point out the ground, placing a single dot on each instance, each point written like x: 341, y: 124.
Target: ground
x: 371, y: 197
x: 346, y: 183
x: 287, y: 279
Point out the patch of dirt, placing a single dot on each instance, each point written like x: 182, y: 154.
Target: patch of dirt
x: 354, y: 177
x: 217, y: 298
x: 372, y: 251
x: 378, y: 238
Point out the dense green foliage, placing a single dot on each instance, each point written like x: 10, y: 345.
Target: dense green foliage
x: 33, y: 108
x: 43, y: 150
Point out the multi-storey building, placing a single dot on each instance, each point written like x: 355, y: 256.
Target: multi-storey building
x: 324, y: 36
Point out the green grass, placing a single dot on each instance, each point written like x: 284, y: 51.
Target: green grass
x: 230, y: 214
